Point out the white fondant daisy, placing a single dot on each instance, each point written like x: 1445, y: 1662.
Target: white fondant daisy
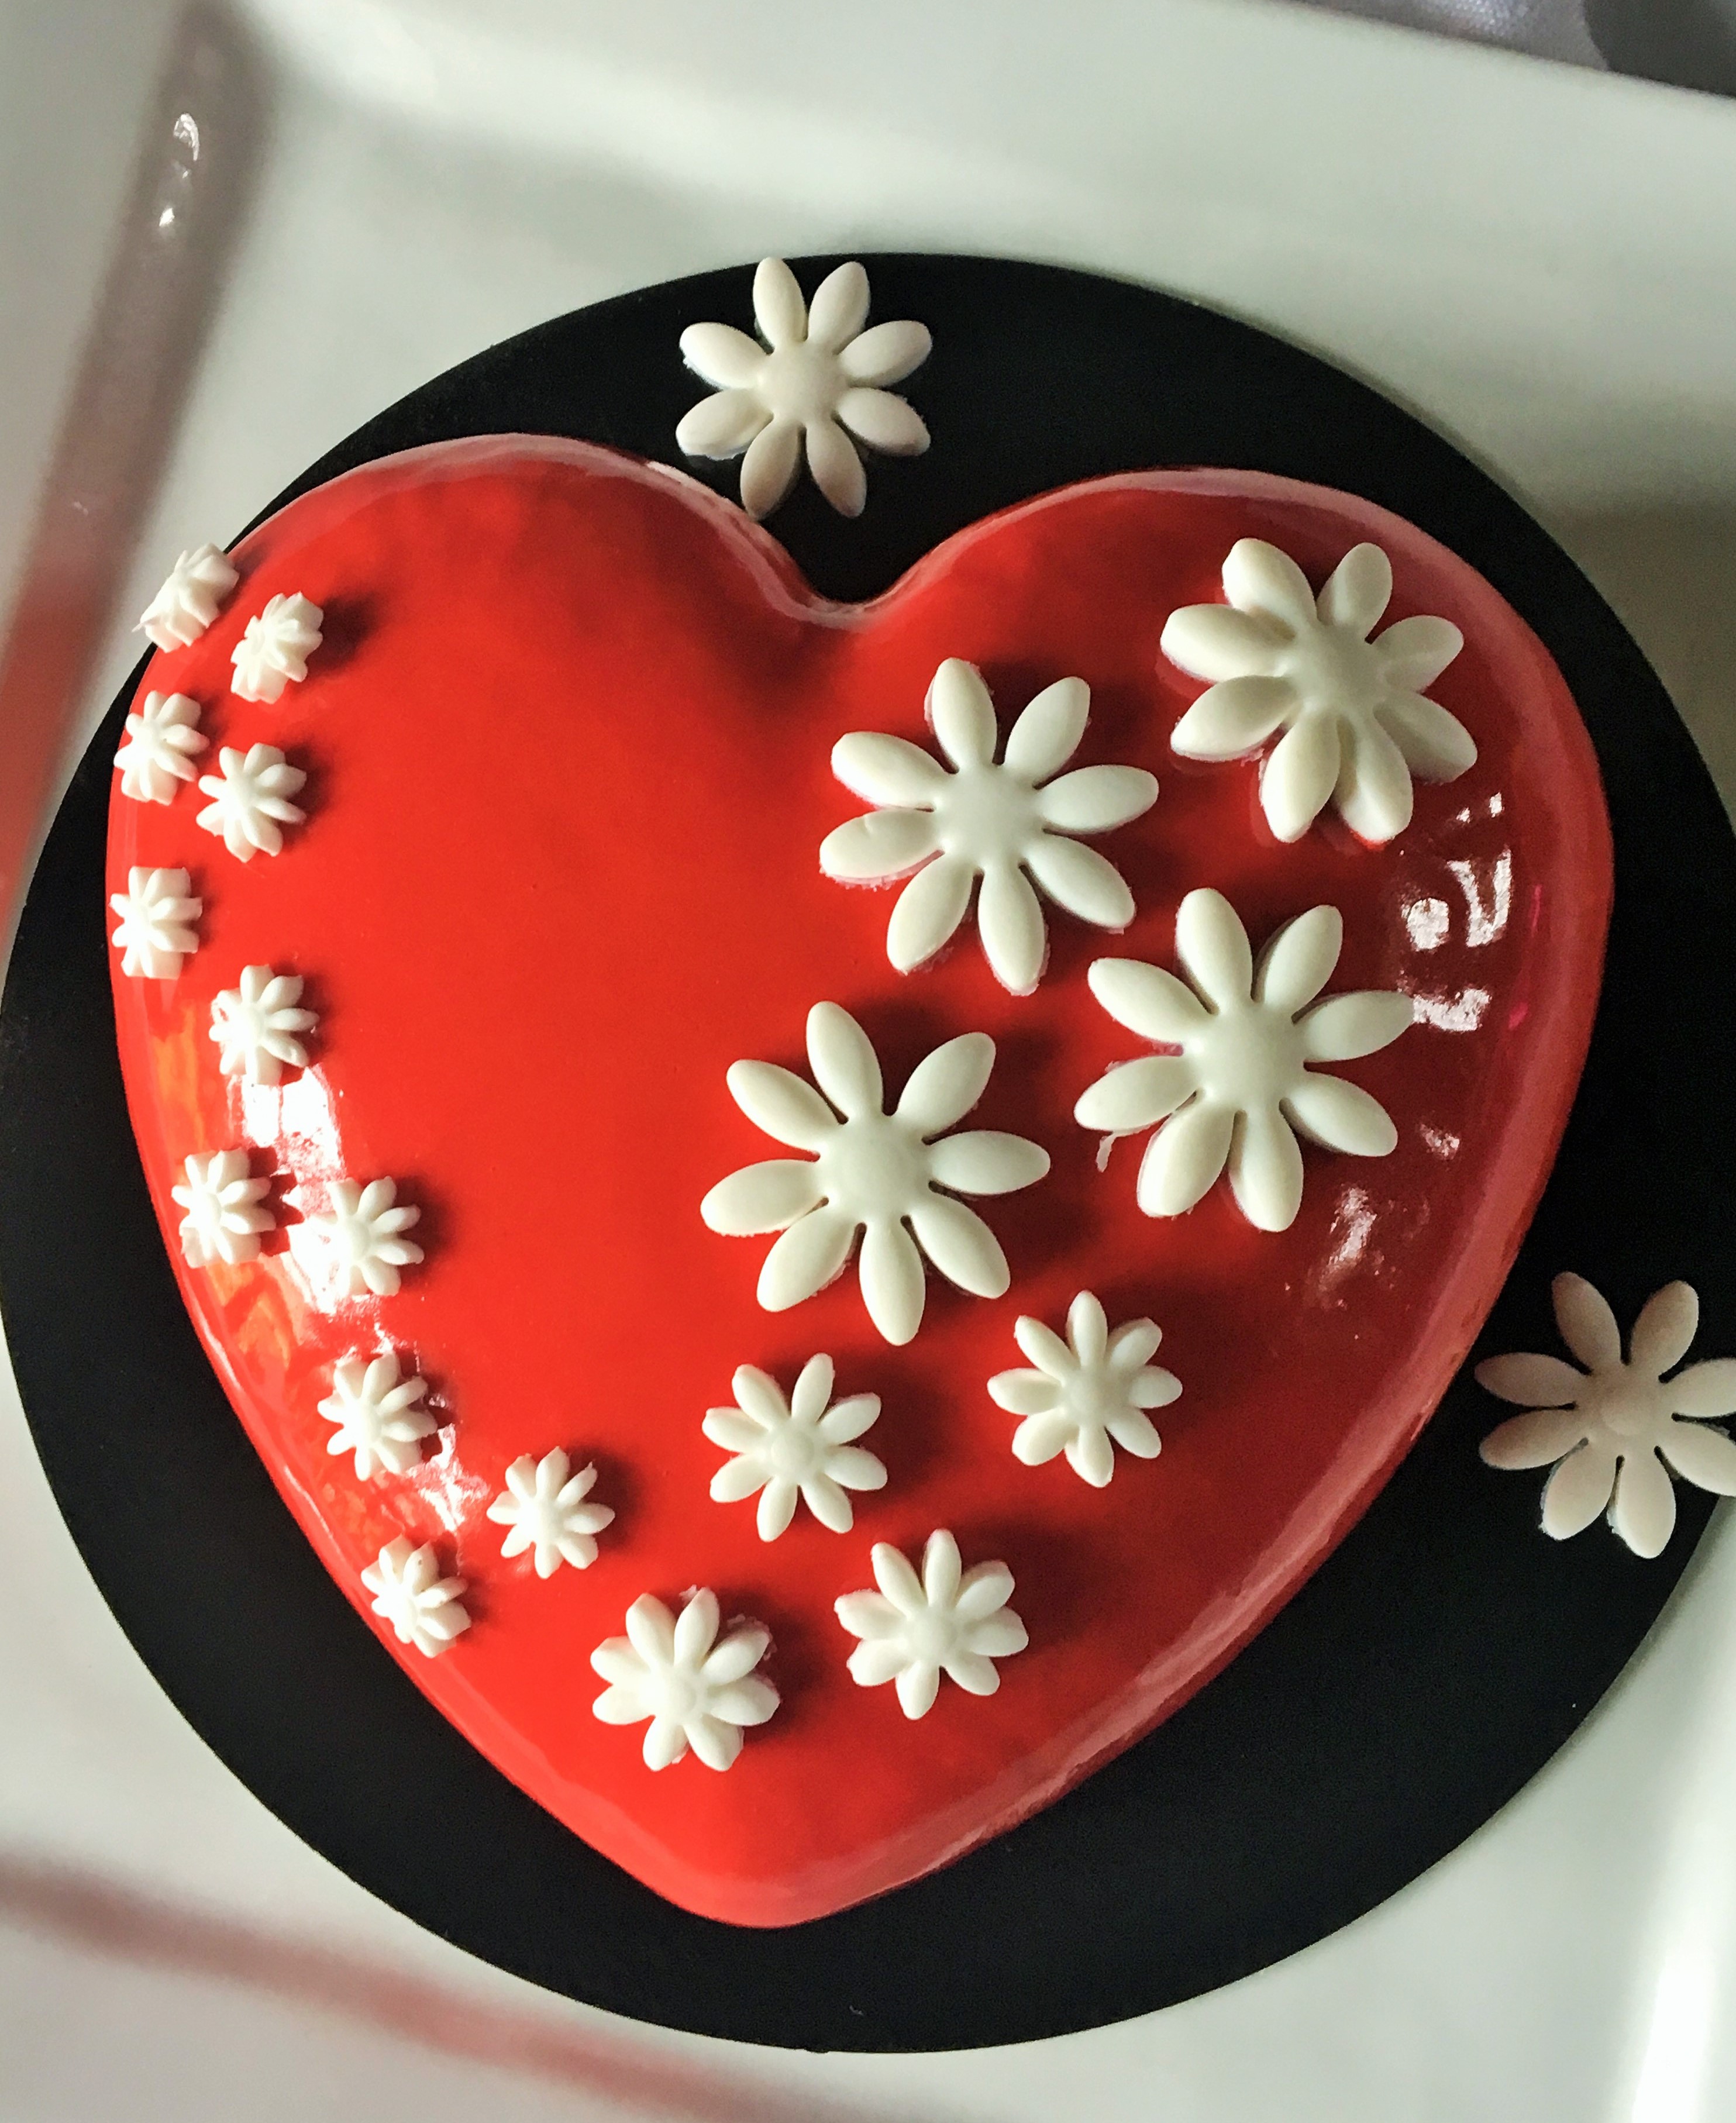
x: 275, y: 647
x: 543, y: 1504
x: 256, y: 1025
x: 914, y: 1630
x: 189, y: 601
x: 988, y: 821
x: 1088, y: 1394
x: 224, y: 1213
x: 1356, y: 724
x: 814, y: 384
x: 796, y: 1448
x: 378, y: 1415
x: 872, y: 1172
x: 423, y: 1608
x: 251, y: 800
x: 364, y: 1229
x: 1615, y: 1428
x: 162, y: 736
x: 1240, y: 1090
x: 157, y: 911
x: 699, y: 1690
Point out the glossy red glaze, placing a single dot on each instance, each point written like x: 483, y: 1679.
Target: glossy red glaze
x: 568, y: 744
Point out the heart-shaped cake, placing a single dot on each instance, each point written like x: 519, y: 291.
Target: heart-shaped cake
x: 702, y: 1306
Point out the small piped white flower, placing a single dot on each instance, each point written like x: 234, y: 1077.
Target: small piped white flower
x: 251, y: 804
x: 816, y: 377
x: 1081, y: 1397
x: 364, y: 1229
x: 378, y: 1417
x: 255, y: 1025
x: 986, y: 820
x: 1615, y: 1427
x: 190, y: 600
x: 275, y: 647
x: 1240, y: 1090
x: 1356, y: 723
x: 543, y: 1504
x: 157, y: 911
x: 224, y: 1213
x: 698, y: 1689
x: 914, y: 1630
x: 800, y: 1447
x: 423, y: 1608
x: 162, y: 736
x: 873, y: 1171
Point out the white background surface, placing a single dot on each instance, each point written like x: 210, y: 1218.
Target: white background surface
x: 1537, y: 258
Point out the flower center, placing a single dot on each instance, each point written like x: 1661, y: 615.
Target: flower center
x: 1331, y: 669
x: 873, y: 1167
x: 802, y: 382
x: 354, y: 1238
x: 1248, y: 1057
x: 988, y: 814
x: 1625, y: 1403
x: 792, y: 1453
x: 675, y: 1693
x: 1093, y: 1396
x: 932, y: 1637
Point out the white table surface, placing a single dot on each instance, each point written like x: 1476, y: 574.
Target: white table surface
x: 1537, y: 258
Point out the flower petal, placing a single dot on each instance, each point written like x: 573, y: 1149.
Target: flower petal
x: 897, y: 1579
x: 929, y: 911
x: 723, y: 425
x: 619, y: 1705
x: 888, y: 769
x: 1048, y: 731
x: 942, y: 1570
x: 1212, y: 946
x: 615, y: 1661
x: 736, y: 1480
x: 1436, y: 745
x: 811, y: 1254
x: 1298, y: 960
x: 1183, y: 1160
x: 892, y: 1285
x: 1665, y: 1329
x: 850, y: 1418
x: 1133, y: 1431
x: 1259, y: 578
x: 1096, y: 799
x: 768, y: 470
x: 1706, y: 1458
x: 827, y: 1502
x: 1578, y: 1490
x: 1087, y: 1328
x: 873, y: 1663
x: 762, y: 1197
x: 1296, y: 782
x: 840, y: 308
x: 696, y: 1628
x: 885, y: 422
x: 1529, y: 1381
x: 961, y: 1246
x: 1704, y: 1389
x: 974, y: 1674
x: 1216, y: 641
x: 1080, y: 880
x: 1373, y: 791
x: 715, y: 1742
x: 1233, y: 718
x: 1345, y: 1026
x: 983, y: 1590
x: 776, y: 1508
x: 843, y: 1061
x: 887, y: 353
x: 1645, y: 1514
x: 946, y: 1084
x: 748, y: 1702
x: 1266, y: 1170
x: 737, y: 1655
x: 917, y: 1687
x: 813, y: 1389
x: 961, y: 713
x: 725, y: 357
x: 1358, y: 590
x: 1010, y: 922
x: 1415, y: 652
x: 986, y: 1162
x: 759, y: 1395
x: 1044, y: 1347
x: 778, y: 308
x: 1029, y: 1393
x: 1137, y: 1094
x: 1146, y: 1000
x: 878, y: 845
x: 778, y: 1102
x: 1135, y: 1343
x: 1588, y: 1325
x: 651, y: 1630
x: 1341, y: 1116
x: 1045, y: 1433
x: 1092, y: 1456
x: 837, y: 469
x: 869, y: 1615
x: 1537, y: 1439
x: 851, y: 1467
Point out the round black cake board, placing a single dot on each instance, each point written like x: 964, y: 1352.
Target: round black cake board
x: 1429, y: 1668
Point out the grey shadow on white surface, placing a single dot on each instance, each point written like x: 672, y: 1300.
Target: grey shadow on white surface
x: 1691, y: 43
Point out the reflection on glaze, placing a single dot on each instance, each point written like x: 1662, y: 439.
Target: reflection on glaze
x: 1488, y: 893
x: 1426, y: 922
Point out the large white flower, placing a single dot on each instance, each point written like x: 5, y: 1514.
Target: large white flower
x: 544, y: 1506
x: 987, y: 821
x: 162, y: 736
x: 188, y: 602
x: 800, y: 1447
x: 251, y: 799
x: 946, y: 1621
x: 275, y: 647
x: 699, y: 1691
x: 157, y: 911
x: 1356, y: 724
x: 365, y: 1231
x: 224, y: 1211
x: 872, y: 1172
x: 1608, y: 1425
x: 816, y: 377
x: 1081, y: 1397
x: 256, y: 1025
x: 378, y: 1415
x: 1240, y: 1088
x: 423, y: 1608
